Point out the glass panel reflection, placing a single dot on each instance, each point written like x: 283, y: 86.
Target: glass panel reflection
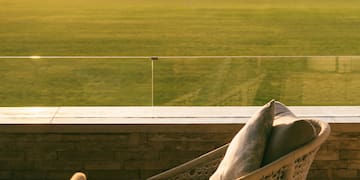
x: 254, y: 81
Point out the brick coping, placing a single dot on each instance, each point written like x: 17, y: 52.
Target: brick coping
x: 163, y: 115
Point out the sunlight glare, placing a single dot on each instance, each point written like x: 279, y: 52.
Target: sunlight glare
x: 35, y: 57
x: 35, y: 110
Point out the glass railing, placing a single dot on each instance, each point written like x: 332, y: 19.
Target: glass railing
x: 179, y: 81
x: 38, y: 81
x: 247, y: 81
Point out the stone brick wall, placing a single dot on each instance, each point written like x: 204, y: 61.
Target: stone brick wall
x: 339, y: 157
x: 139, y: 151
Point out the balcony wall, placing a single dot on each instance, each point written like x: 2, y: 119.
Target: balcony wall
x: 135, y: 143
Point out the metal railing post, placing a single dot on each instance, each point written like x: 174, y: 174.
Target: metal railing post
x: 153, y: 58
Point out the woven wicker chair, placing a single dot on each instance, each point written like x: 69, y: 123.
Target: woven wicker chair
x: 294, y: 165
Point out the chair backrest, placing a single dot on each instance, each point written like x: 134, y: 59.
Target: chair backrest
x: 294, y: 165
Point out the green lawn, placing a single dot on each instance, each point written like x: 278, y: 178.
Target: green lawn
x: 163, y: 27
x: 185, y: 27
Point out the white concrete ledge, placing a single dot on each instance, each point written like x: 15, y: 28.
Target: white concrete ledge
x: 164, y: 115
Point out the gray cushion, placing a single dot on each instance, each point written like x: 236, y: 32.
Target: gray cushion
x: 288, y: 134
x: 281, y: 111
x: 246, y: 150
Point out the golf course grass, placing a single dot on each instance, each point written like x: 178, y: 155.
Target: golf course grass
x: 179, y: 28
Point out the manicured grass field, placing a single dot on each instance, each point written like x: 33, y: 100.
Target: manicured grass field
x: 181, y: 27
x: 162, y: 27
